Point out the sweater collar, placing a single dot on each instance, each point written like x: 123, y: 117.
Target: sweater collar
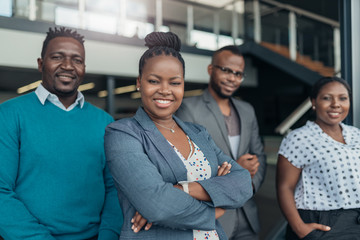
x: 43, y: 94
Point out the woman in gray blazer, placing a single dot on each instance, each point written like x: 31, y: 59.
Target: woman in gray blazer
x: 170, y: 174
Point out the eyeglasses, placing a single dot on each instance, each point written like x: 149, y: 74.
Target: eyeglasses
x: 239, y: 75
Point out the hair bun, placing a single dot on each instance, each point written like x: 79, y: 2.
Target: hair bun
x: 163, y: 39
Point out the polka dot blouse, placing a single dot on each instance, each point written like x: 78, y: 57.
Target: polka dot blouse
x: 330, y: 176
x: 198, y: 168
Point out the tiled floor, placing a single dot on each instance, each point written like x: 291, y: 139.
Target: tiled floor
x: 269, y: 211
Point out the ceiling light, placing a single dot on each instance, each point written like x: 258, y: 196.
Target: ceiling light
x: 28, y: 87
x: 86, y: 86
x: 34, y: 85
x: 192, y: 93
x: 119, y: 90
x: 135, y: 95
x: 102, y: 93
x: 125, y: 89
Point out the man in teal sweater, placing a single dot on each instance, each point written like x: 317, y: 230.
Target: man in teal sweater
x: 54, y: 183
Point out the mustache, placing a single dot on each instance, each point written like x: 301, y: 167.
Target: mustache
x: 67, y: 73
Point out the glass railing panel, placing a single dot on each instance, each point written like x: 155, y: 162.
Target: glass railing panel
x: 46, y: 10
x: 314, y: 36
x: 66, y: 16
x: 21, y: 9
x: 111, y: 6
x: 316, y: 39
x: 140, y: 10
x: 6, y: 8
x: 175, y: 20
x: 131, y: 18
x: 274, y: 28
x: 138, y: 18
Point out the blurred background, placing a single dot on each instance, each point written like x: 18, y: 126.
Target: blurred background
x: 287, y: 44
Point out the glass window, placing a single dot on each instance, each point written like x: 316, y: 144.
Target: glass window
x: 6, y: 8
x: 207, y: 40
x: 67, y: 17
x: 101, y: 22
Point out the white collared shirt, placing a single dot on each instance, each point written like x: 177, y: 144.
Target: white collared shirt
x: 43, y: 94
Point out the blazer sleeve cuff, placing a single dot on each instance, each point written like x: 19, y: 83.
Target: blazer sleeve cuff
x: 227, y: 195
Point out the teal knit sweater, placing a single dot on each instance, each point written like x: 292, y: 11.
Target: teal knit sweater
x: 54, y: 183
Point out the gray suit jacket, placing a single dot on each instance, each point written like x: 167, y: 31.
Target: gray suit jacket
x: 205, y: 111
x: 145, y: 167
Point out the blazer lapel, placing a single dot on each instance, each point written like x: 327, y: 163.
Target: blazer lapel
x: 217, y: 114
x: 198, y: 137
x: 160, y: 142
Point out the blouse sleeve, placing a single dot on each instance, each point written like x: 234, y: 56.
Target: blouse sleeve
x: 232, y: 190
x: 137, y: 178
x: 293, y: 148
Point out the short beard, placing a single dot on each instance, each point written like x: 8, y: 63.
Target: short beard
x: 217, y: 90
x: 66, y: 94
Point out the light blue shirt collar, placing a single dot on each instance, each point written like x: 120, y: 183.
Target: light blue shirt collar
x: 43, y: 94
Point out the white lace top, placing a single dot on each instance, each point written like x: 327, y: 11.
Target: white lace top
x: 198, y: 168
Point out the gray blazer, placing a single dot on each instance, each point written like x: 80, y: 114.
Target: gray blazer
x: 205, y: 111
x: 145, y: 167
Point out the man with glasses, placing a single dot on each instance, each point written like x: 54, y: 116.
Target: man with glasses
x: 233, y: 126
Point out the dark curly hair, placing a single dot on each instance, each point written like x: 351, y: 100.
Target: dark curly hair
x: 325, y: 80
x: 62, y: 32
x: 232, y: 48
x: 161, y: 43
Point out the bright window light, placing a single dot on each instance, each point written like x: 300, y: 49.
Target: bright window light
x: 144, y: 29
x: 129, y: 29
x: 109, y: 23
x: 239, y: 41
x: 136, y: 9
x: 204, y: 40
x: 101, y: 23
x: 6, y: 8
x: 207, y: 40
x: 94, y: 21
x: 226, y: 40
x: 67, y: 17
x: 164, y: 29
x: 108, y: 6
x: 135, y: 28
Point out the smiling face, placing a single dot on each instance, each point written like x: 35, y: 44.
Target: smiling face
x: 161, y: 86
x: 63, y: 66
x: 223, y: 83
x: 331, y: 104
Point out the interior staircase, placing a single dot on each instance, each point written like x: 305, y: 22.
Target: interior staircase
x: 303, y: 60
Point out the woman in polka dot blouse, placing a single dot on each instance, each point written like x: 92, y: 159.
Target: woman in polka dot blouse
x: 318, y: 174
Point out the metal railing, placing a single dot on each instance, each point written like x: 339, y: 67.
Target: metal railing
x: 210, y: 19
x: 264, y: 8
x: 284, y: 127
x: 226, y: 20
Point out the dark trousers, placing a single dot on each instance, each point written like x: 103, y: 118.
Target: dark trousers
x: 344, y: 223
